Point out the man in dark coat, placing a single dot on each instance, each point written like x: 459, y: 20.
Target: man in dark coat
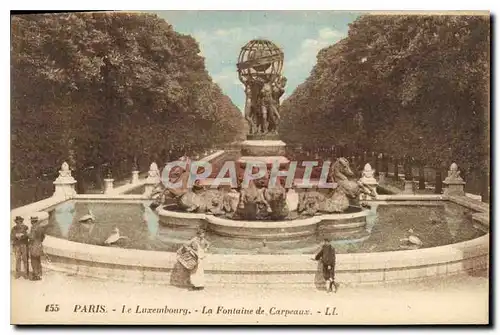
x: 36, y: 237
x: 19, y: 240
x: 327, y: 257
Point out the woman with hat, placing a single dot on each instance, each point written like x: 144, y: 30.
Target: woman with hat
x: 36, y: 237
x: 19, y: 240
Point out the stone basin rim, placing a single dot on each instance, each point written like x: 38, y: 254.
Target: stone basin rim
x: 137, y: 257
x: 262, y: 224
x: 166, y: 260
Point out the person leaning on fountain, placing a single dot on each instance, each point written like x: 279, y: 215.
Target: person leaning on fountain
x: 19, y: 240
x: 36, y: 237
x: 327, y: 257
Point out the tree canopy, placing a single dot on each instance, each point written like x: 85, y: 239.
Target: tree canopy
x: 401, y: 84
x: 109, y: 86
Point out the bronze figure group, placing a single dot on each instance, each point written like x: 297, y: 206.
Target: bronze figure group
x: 262, y: 105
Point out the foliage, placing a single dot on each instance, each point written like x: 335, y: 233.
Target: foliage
x: 110, y: 86
x: 415, y: 84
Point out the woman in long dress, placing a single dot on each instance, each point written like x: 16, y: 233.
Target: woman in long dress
x: 183, y: 274
x: 200, y: 245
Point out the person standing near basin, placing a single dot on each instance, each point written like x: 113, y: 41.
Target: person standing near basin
x: 190, y: 268
x: 328, y: 258
x: 36, y: 237
x: 19, y: 240
x: 200, y: 245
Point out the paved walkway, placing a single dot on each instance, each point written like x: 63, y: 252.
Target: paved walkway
x: 454, y: 300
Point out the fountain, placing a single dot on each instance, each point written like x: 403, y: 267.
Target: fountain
x: 264, y: 231
x: 260, y: 66
x: 258, y: 206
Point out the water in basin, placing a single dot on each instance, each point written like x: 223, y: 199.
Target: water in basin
x: 435, y: 223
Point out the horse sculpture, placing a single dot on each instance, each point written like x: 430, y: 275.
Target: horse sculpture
x: 258, y: 200
x: 337, y: 199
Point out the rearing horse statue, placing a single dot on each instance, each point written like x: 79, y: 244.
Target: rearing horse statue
x: 335, y: 200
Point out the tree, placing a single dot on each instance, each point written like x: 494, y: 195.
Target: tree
x: 401, y: 84
x: 109, y: 86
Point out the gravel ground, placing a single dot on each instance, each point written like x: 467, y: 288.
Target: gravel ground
x: 461, y: 299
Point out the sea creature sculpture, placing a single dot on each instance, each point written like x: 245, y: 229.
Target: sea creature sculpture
x: 253, y: 204
x: 276, y: 198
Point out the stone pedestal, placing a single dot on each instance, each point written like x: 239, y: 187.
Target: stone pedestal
x: 381, y: 177
x: 267, y: 160
x: 135, y: 177
x: 263, y: 137
x: 263, y: 151
x: 454, y: 184
x: 408, y: 188
x: 108, y: 185
x: 152, y: 180
x: 65, y: 183
x: 455, y: 188
x: 263, y: 148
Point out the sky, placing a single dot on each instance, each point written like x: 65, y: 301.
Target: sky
x: 222, y: 34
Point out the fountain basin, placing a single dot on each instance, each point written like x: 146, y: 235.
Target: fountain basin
x: 284, y: 270
x: 263, y: 148
x: 272, y: 230
x: 270, y: 270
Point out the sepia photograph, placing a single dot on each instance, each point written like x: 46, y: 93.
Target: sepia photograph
x: 250, y: 167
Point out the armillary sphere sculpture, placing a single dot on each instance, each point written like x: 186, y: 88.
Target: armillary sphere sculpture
x: 260, y: 66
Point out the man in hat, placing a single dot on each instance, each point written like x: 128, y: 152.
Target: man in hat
x: 36, y: 237
x: 327, y: 257
x: 19, y: 240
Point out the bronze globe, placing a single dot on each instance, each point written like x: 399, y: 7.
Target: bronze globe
x: 260, y: 61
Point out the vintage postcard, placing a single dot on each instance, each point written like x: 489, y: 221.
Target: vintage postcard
x: 250, y: 167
